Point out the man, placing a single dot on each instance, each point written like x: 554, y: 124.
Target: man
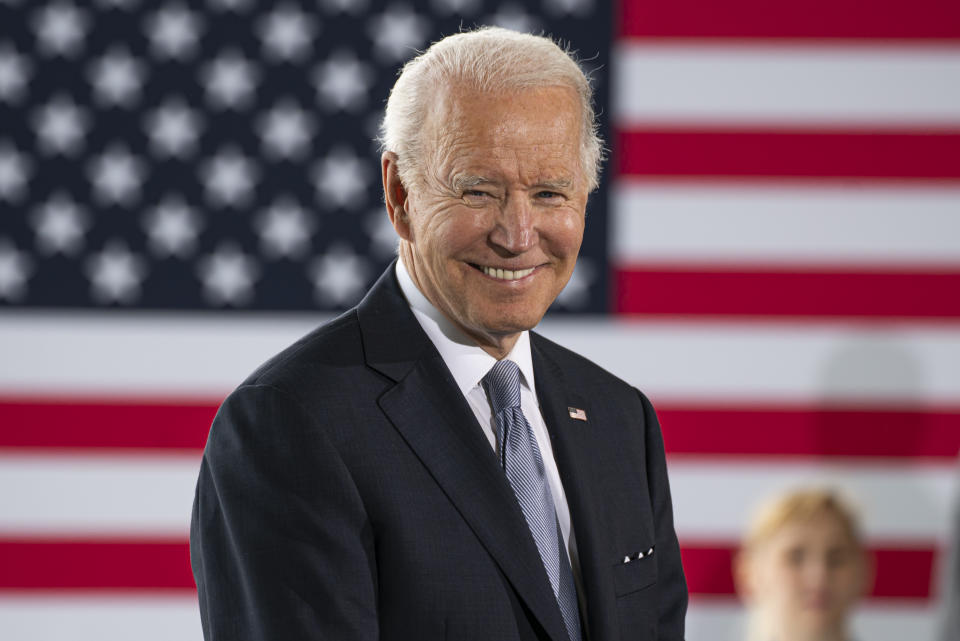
x: 424, y: 467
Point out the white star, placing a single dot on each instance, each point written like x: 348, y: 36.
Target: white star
x: 60, y: 28
x: 173, y: 129
x: 284, y: 230
x: 60, y: 225
x: 287, y: 33
x: 230, y: 5
x: 577, y: 292
x: 341, y: 178
x: 15, y: 169
x: 115, y: 274
x: 228, y: 276
x: 339, y: 276
x: 397, y: 32
x: 344, y: 6
x: 61, y: 126
x: 172, y: 228
x: 116, y: 176
x: 173, y: 31
x: 14, y: 74
x: 342, y: 81
x: 566, y: 7
x: 511, y: 16
x: 15, y: 268
x: 229, y: 80
x: 383, y: 237
x: 229, y: 178
x: 286, y: 130
x: 117, y: 78
x: 456, y: 6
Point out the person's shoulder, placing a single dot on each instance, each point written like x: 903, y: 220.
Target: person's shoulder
x: 333, y: 345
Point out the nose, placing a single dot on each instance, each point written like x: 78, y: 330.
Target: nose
x: 516, y: 227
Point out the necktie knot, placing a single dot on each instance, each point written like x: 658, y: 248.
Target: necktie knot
x: 503, y: 385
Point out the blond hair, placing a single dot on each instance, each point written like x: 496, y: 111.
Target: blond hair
x: 801, y: 505
x: 489, y: 60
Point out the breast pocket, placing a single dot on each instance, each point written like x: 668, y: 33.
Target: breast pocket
x: 634, y: 582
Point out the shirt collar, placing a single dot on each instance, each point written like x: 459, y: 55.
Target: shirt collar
x: 464, y: 358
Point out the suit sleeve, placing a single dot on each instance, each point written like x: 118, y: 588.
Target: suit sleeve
x: 671, y: 583
x: 280, y: 543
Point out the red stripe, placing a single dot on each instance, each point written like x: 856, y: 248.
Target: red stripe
x: 31, y: 564
x: 808, y: 431
x: 901, y: 573
x: 886, y: 155
x: 104, y: 423
x: 34, y: 564
x: 810, y: 19
x: 783, y: 291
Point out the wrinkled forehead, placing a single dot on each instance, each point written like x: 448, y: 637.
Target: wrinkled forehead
x: 536, y: 123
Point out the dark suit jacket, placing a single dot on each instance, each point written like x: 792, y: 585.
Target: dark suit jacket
x: 347, y: 492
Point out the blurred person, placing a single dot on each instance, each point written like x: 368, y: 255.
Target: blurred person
x: 424, y: 466
x: 802, y: 568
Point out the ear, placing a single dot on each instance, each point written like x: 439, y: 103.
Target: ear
x: 395, y: 195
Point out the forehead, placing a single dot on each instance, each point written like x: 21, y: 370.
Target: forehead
x: 537, y: 126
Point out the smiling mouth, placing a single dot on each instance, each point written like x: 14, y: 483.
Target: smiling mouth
x: 503, y: 274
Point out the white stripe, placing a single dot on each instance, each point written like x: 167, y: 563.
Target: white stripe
x: 152, y: 496
x: 897, y: 502
x: 154, y: 618
x: 97, y: 495
x: 101, y: 354
x: 724, y: 620
x: 837, y: 225
x: 815, y: 84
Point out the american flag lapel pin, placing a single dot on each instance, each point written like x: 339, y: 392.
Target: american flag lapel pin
x: 577, y: 414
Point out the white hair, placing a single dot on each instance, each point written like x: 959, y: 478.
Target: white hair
x: 490, y: 59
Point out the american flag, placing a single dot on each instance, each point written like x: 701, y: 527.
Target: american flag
x: 774, y: 257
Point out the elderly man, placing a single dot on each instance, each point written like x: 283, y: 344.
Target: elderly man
x: 424, y: 467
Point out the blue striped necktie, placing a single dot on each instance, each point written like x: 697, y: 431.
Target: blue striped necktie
x: 523, y: 465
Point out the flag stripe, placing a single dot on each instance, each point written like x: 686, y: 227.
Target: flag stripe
x: 839, y: 225
x: 97, y: 494
x: 38, y: 564
x: 808, y: 86
x: 784, y: 153
x: 676, y: 360
x: 155, y: 425
x: 813, y: 19
x: 811, y: 432
x: 886, y: 620
x: 715, y: 497
x: 901, y: 573
x: 51, y: 422
x: 780, y: 291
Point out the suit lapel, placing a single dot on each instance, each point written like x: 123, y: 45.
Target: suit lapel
x: 431, y: 414
x: 575, y: 452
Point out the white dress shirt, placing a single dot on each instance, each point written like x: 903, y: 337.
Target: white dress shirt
x: 469, y: 364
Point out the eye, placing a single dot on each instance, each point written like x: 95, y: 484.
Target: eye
x: 546, y: 194
x: 475, y: 193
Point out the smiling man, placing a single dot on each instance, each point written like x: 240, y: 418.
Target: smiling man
x: 426, y: 467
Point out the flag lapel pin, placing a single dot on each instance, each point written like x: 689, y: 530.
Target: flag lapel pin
x: 577, y: 414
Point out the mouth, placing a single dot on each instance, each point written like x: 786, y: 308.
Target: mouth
x: 503, y: 274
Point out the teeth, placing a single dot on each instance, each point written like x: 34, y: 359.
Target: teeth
x: 507, y: 274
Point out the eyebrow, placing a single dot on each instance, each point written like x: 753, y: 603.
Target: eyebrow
x: 465, y: 181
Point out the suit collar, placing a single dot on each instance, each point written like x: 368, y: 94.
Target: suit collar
x: 434, y: 419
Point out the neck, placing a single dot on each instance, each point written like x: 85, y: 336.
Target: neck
x: 836, y: 634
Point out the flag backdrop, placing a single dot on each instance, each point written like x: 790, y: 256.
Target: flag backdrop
x: 774, y: 257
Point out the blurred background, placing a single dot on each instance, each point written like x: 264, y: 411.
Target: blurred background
x: 773, y: 257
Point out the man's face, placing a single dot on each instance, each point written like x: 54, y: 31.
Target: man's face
x: 496, y: 222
